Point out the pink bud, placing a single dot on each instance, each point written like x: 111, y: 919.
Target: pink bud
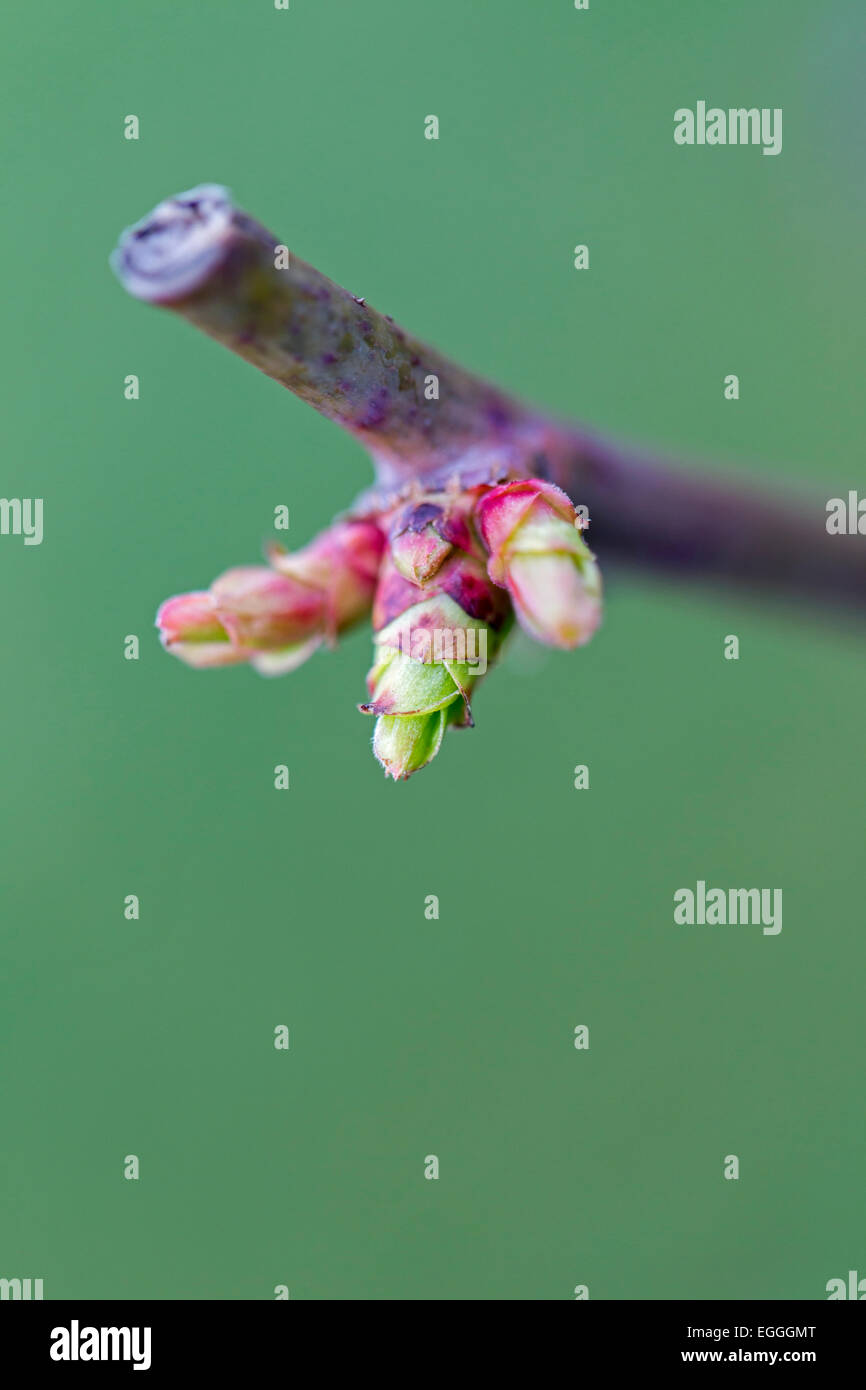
x: 275, y: 617
x: 190, y: 629
x: 537, y: 552
x: 502, y: 509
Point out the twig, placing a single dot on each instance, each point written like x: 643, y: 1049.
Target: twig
x: 422, y: 417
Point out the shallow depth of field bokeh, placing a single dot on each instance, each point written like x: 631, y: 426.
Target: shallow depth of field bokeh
x: 411, y: 1037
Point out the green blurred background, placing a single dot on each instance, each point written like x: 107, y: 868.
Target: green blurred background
x: 306, y: 908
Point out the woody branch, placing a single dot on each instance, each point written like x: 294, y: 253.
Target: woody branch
x: 422, y: 417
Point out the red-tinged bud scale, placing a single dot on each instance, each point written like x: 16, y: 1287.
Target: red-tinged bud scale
x: 343, y: 563
x: 424, y: 534
x: 263, y: 610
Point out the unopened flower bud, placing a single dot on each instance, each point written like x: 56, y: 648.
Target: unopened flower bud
x: 405, y: 744
x: 537, y: 552
x: 275, y: 617
x: 189, y: 628
x: 424, y: 534
x: 434, y: 639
